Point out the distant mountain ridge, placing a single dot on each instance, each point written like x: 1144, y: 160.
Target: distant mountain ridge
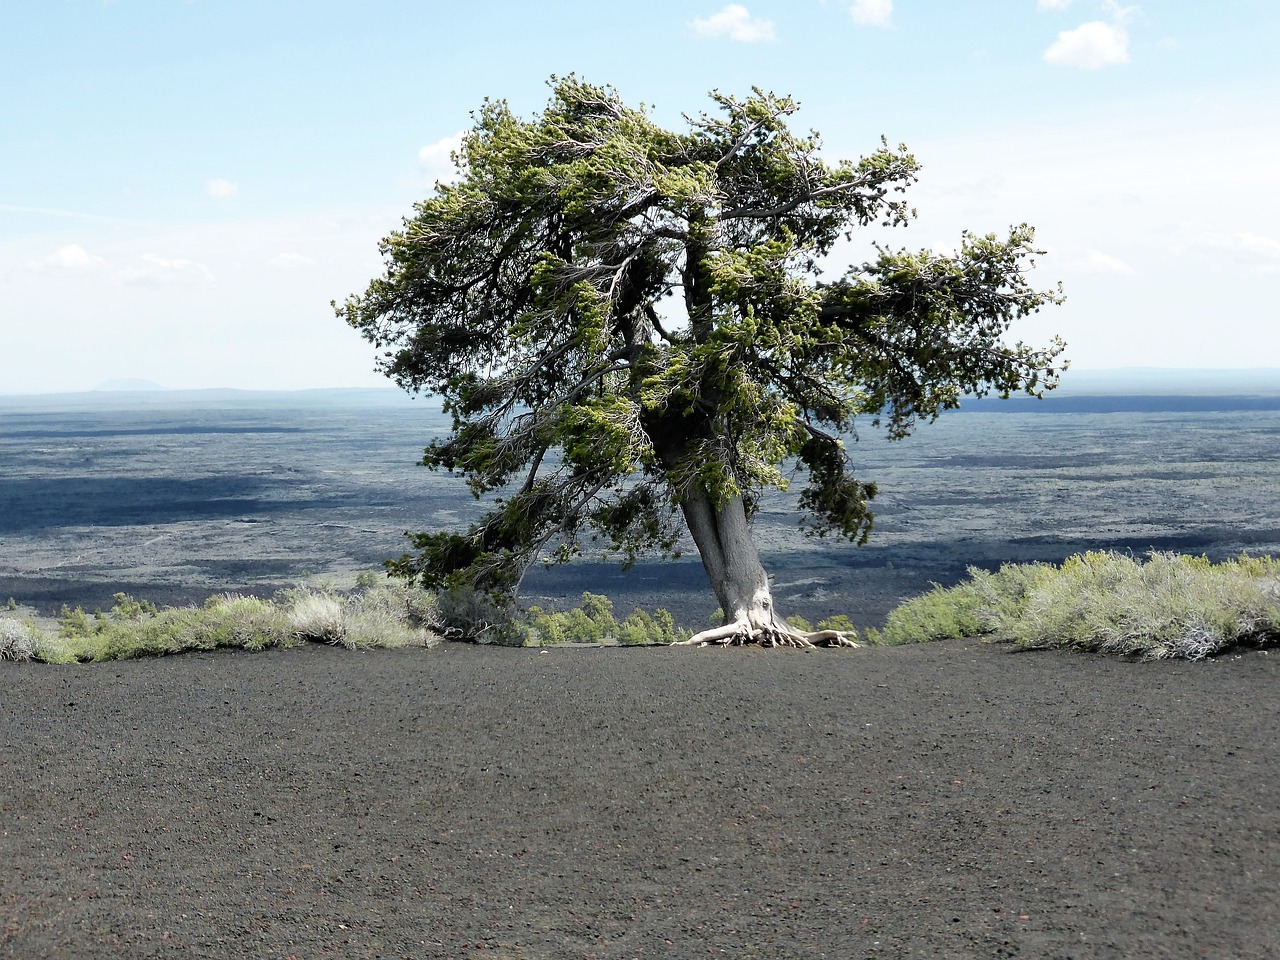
x: 1076, y: 384
x: 125, y: 398
x: 1159, y: 381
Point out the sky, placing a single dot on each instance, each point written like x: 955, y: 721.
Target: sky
x: 185, y: 185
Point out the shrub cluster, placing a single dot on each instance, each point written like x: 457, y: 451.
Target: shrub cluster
x: 18, y: 640
x: 377, y: 613
x: 389, y: 615
x: 1168, y: 606
x: 478, y: 617
x: 594, y: 622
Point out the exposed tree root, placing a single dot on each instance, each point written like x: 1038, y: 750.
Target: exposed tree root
x: 742, y: 633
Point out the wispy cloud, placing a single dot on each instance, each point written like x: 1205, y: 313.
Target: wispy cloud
x: 872, y: 13
x: 71, y: 257
x: 736, y: 23
x: 162, y: 272
x: 221, y: 189
x: 1095, y: 261
x: 291, y: 260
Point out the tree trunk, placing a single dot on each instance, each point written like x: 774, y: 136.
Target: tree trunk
x: 732, y: 562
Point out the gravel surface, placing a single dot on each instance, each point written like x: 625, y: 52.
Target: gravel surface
x: 950, y: 800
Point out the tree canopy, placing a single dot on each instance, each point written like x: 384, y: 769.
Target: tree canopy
x: 631, y: 326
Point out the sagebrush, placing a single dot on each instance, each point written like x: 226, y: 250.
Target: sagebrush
x: 374, y: 615
x: 1169, y: 605
x: 388, y: 615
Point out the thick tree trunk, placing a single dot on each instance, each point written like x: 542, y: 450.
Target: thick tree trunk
x: 732, y: 562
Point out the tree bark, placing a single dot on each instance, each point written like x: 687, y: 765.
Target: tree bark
x: 732, y: 562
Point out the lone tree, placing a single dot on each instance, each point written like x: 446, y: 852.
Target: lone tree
x: 630, y: 325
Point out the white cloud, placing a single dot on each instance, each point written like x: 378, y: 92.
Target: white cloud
x: 1090, y: 46
x: 291, y: 261
x: 1095, y: 261
x: 1263, y: 246
x: 71, y: 257
x: 874, y: 13
x: 736, y: 23
x: 161, y: 272
x: 436, y: 159
x: 220, y: 188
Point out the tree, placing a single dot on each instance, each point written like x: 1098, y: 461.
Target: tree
x: 630, y: 326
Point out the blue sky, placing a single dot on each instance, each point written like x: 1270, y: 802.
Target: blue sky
x: 184, y: 186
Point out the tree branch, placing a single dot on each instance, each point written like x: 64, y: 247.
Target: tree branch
x: 754, y: 213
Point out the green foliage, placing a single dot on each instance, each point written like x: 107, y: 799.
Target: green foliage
x: 367, y: 580
x: 74, y: 623
x: 12, y: 604
x: 621, y: 319
x: 125, y: 607
x: 379, y: 615
x: 839, y: 622
x: 594, y: 622
x: 642, y: 627
x: 390, y: 615
x: 1168, y: 606
x: 937, y: 615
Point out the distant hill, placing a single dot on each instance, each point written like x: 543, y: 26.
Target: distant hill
x: 1156, y: 381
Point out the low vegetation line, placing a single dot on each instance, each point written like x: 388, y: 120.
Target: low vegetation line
x: 374, y: 615
x: 1168, y: 606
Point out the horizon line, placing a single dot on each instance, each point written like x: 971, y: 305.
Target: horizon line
x: 144, y: 387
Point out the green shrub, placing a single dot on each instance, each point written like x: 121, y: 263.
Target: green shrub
x: 391, y: 614
x: 937, y: 615
x: 126, y: 607
x: 226, y: 621
x: 382, y: 616
x: 472, y: 615
x: 388, y: 614
x: 374, y: 616
x: 1168, y: 606
x: 367, y: 580
x: 594, y: 622
x: 74, y: 623
x: 642, y: 627
x: 838, y: 622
